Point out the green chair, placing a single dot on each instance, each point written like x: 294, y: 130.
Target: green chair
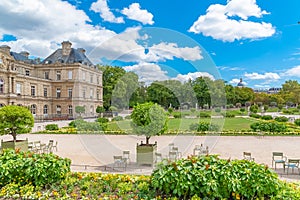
x: 292, y: 163
x: 278, y: 158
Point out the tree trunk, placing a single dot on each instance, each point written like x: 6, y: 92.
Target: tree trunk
x: 147, y: 139
x: 14, y: 136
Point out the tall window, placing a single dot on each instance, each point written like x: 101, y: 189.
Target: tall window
x: 70, y: 92
x: 32, y: 90
x: 70, y: 109
x: 83, y: 93
x: 97, y: 94
x: 91, y: 93
x: 83, y: 76
x: 18, y: 88
x: 58, y: 92
x: 33, y: 109
x: 91, y: 78
x: 1, y: 86
x: 70, y: 75
x: 98, y: 80
x: 46, y: 75
x: 91, y: 109
x: 58, y: 75
x: 45, y: 109
x: 58, y: 109
x: 45, y: 92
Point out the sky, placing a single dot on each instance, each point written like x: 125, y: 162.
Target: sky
x: 256, y: 40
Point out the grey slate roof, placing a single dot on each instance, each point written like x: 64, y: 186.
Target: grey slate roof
x: 21, y: 57
x: 75, y: 56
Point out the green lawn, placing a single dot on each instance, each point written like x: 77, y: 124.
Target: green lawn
x: 236, y: 123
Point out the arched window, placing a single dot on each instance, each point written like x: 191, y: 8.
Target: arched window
x: 45, y: 109
x: 33, y: 109
x: 70, y: 108
x: 1, y: 86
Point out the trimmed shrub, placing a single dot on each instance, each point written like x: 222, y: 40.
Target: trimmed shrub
x: 177, y: 115
x: 102, y: 120
x: 204, y: 115
x: 26, y: 167
x: 254, y: 115
x: 117, y: 118
x: 128, y: 117
x: 51, y: 127
x: 217, y: 110
x: 204, y: 126
x: 242, y: 110
x: 281, y: 119
x: 297, y: 122
x: 266, y: 117
x: 208, y: 177
x: 254, y: 108
x: 268, y: 127
x: 228, y: 114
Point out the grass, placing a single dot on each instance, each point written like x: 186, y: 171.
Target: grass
x: 236, y: 123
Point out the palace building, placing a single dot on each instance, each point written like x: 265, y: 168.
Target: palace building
x: 51, y: 88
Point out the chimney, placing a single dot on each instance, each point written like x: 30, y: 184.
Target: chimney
x: 82, y: 50
x: 24, y: 53
x: 5, y: 49
x: 66, y: 48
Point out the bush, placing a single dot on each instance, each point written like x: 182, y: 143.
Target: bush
x: 117, y: 118
x: 254, y: 108
x: 228, y: 114
x: 217, y: 110
x: 26, y: 167
x: 297, y: 122
x: 268, y: 127
x: 128, y: 117
x: 266, y: 117
x: 254, y: 115
x: 51, y: 127
x: 82, y: 125
x: 204, y: 115
x: 204, y: 126
x: 177, y: 115
x: 281, y: 119
x: 209, y: 177
x: 242, y: 110
x: 102, y: 120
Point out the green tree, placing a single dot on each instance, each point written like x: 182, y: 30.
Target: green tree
x: 79, y: 110
x: 100, y: 110
x: 149, y: 119
x: 201, y: 89
x: 254, y: 108
x: 15, y: 120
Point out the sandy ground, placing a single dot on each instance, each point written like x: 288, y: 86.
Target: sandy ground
x: 95, y: 152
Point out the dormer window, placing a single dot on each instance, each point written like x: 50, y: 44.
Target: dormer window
x: 27, y: 72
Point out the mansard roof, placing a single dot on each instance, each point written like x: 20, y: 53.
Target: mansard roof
x: 75, y: 56
x: 21, y: 57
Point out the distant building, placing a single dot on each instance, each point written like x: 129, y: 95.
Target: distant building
x: 241, y: 84
x: 51, y: 88
x: 274, y: 90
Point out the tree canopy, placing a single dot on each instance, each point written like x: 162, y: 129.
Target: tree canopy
x: 15, y: 120
x: 149, y: 119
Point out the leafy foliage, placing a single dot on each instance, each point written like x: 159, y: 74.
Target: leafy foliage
x: 209, y: 177
x: 268, y: 127
x: 281, y: 119
x: 266, y: 117
x: 149, y: 119
x: 37, y: 169
x: 82, y: 125
x: 51, y: 127
x: 15, y: 120
x: 254, y: 115
x: 117, y: 118
x: 254, y: 108
x: 297, y: 122
x: 204, y: 126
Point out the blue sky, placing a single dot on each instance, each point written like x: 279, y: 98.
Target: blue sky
x: 258, y: 41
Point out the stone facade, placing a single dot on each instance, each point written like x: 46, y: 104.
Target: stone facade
x: 52, y: 88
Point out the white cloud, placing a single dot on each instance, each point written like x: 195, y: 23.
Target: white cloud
x: 135, y: 12
x: 101, y: 7
x: 218, y: 24
x: 265, y: 76
x: 235, y: 81
x: 148, y: 72
x: 192, y: 76
x: 294, y: 72
x: 42, y: 32
x: 262, y: 86
x: 168, y: 51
